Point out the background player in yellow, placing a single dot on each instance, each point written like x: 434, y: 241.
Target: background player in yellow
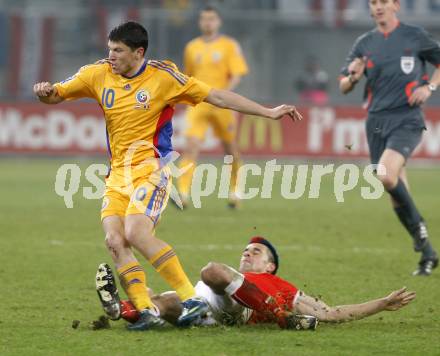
x: 137, y: 98
x: 218, y: 61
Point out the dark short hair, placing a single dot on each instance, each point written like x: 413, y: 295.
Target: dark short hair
x: 273, y: 255
x: 212, y: 8
x: 130, y: 33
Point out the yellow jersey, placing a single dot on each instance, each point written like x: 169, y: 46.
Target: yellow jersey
x: 137, y: 110
x: 214, y: 62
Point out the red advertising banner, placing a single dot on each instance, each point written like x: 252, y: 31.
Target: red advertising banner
x: 79, y: 128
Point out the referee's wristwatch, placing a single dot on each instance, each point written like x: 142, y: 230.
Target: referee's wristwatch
x: 432, y: 87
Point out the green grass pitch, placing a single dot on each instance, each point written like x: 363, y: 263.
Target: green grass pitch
x: 345, y: 252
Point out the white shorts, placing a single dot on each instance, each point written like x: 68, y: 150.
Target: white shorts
x: 223, y: 309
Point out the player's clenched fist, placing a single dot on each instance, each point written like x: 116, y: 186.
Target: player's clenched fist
x: 357, y: 67
x: 43, y: 89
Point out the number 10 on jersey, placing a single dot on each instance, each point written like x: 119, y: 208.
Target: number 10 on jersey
x: 108, y: 98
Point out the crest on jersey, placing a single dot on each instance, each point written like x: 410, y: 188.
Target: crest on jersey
x: 142, y: 99
x: 407, y: 64
x: 216, y: 56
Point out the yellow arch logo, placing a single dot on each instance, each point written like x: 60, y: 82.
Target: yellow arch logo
x: 263, y: 129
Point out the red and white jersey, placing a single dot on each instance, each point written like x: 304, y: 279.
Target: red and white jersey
x: 226, y: 310
x: 282, y: 291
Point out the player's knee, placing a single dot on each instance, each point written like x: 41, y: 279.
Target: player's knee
x: 213, y: 274
x: 130, y: 235
x: 169, y: 305
x: 389, y: 181
x: 114, y: 241
x: 134, y: 236
x: 207, y: 272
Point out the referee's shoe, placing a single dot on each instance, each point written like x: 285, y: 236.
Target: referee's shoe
x: 426, y: 265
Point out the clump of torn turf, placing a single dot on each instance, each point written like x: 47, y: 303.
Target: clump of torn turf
x: 75, y: 324
x: 101, y: 323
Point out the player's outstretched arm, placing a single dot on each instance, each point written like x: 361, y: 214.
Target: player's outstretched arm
x: 313, y: 306
x: 47, y: 93
x: 229, y: 100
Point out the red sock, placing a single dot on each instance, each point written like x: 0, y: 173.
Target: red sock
x: 128, y: 311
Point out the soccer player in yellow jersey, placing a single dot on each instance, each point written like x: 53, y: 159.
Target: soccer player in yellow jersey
x: 137, y: 97
x: 218, y: 61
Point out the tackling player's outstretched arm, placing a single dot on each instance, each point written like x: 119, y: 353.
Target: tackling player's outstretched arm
x: 47, y: 93
x: 229, y: 100
x: 313, y: 306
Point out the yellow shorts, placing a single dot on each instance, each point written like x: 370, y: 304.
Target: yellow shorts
x: 136, y: 194
x: 200, y: 117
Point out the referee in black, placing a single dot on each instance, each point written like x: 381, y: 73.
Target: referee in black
x: 393, y: 58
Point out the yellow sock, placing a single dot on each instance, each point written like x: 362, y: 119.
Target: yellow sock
x: 236, y: 164
x: 185, y: 180
x: 167, y: 264
x: 133, y: 280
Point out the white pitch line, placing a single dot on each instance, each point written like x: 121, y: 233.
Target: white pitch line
x: 239, y: 247
x: 307, y: 248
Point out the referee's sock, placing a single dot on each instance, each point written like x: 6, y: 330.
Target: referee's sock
x: 406, y: 211
x: 408, y: 215
x: 428, y: 251
x: 400, y: 212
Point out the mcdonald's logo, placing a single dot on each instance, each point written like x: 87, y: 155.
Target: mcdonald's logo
x: 266, y: 134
